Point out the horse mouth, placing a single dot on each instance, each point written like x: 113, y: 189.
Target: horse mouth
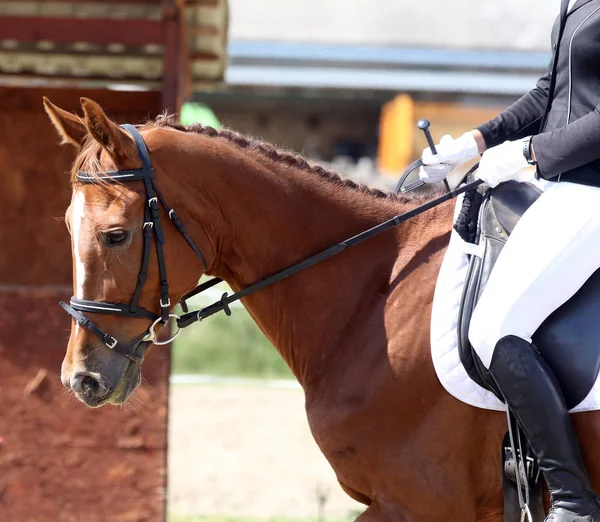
x: 129, y: 381
x: 94, y: 402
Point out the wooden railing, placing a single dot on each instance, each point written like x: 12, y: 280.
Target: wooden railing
x: 175, y: 46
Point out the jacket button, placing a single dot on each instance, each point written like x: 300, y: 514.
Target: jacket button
x: 554, y: 47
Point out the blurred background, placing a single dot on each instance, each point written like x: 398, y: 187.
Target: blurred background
x: 218, y: 431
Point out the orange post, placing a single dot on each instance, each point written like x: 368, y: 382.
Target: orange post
x: 396, y: 134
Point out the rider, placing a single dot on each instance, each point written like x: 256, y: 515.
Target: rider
x: 554, y: 248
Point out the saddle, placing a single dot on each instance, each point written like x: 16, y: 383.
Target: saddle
x: 568, y: 338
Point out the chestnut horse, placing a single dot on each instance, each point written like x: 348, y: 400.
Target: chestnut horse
x: 354, y: 330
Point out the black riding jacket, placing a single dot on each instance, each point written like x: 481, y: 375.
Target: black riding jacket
x: 564, y: 118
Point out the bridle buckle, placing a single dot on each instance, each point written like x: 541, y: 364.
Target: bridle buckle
x: 167, y: 304
x: 112, y: 343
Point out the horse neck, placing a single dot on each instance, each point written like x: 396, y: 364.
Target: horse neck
x: 274, y: 215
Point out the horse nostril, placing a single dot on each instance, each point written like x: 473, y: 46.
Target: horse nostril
x: 85, y: 384
x: 90, y: 385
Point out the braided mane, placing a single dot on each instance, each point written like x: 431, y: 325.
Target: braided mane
x: 279, y: 156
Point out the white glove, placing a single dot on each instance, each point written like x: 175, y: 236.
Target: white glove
x: 505, y: 162
x: 451, y: 153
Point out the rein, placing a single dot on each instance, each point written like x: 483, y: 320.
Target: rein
x: 136, y: 349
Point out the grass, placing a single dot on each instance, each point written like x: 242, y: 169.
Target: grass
x: 226, y: 346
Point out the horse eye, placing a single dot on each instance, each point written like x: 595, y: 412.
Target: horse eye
x: 116, y: 238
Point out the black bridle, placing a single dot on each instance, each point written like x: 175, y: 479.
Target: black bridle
x: 135, y: 349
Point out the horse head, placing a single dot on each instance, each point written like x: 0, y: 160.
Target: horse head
x: 111, y: 242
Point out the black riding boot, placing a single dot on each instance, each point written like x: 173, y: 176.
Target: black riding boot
x: 533, y: 395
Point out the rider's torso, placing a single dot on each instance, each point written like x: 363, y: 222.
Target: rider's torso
x: 578, y: 70
x: 577, y: 90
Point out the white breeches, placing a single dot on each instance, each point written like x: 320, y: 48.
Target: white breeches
x: 552, y: 251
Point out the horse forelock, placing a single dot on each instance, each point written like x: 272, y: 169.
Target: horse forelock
x: 87, y: 160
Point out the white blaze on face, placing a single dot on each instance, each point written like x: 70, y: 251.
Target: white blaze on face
x: 77, y: 214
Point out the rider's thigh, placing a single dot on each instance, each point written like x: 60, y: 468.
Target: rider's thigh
x: 552, y: 251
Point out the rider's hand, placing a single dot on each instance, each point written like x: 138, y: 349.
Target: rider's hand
x: 451, y: 153
x: 505, y: 162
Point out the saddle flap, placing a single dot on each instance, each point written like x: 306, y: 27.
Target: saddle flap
x: 491, y: 237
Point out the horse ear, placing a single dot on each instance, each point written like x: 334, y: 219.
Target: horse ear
x: 69, y: 126
x: 118, y: 143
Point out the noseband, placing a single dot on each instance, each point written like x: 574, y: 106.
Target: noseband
x: 135, y: 349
